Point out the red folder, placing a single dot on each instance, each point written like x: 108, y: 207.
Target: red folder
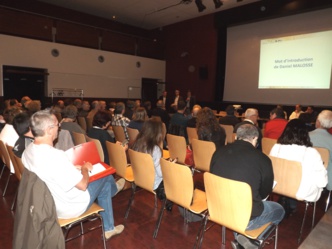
x: 88, y: 152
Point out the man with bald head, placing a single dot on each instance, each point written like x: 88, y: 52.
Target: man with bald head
x: 251, y: 117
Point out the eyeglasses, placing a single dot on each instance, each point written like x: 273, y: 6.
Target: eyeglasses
x: 55, y: 125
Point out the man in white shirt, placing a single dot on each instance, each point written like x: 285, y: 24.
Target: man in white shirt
x: 68, y: 183
x: 296, y: 113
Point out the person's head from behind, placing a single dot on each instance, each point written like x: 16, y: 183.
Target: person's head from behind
x: 44, y: 124
x: 147, y: 105
x: 95, y: 105
x: 324, y: 119
x: 70, y: 112
x: 295, y: 132
x: 164, y: 94
x: 206, y: 118
x: 33, y: 106
x: 24, y: 100
x: 102, y: 119
x: 230, y: 110
x: 78, y: 103
x: 181, y: 105
x: 85, y: 105
x: 102, y: 105
x: 119, y: 108
x: 251, y: 114
x: 247, y: 132
x: 21, y: 123
x: 140, y: 114
x: 130, y: 104
x: 277, y: 113
x: 196, y: 109
x: 150, y: 136
x: 10, y: 113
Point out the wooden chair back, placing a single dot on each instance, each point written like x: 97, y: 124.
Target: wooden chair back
x: 98, y: 145
x: 132, y: 133
x: 178, y: 183
x: 119, y: 133
x: 18, y: 170
x: 192, y: 134
x: 288, y: 175
x: 79, y: 138
x: 325, y: 155
x: 203, y: 151
x: 143, y: 169
x: 117, y: 157
x: 88, y: 123
x: 229, y: 129
x: 177, y: 147
x: 267, y: 144
x: 229, y: 202
x: 82, y: 122
x: 5, y: 155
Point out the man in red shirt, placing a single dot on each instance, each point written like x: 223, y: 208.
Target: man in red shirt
x: 276, y: 125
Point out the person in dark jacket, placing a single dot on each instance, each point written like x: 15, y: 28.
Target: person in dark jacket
x: 241, y: 161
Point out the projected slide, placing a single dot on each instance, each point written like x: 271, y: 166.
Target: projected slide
x: 296, y: 62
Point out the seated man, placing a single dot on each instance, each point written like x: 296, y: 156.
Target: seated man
x: 320, y: 137
x: 69, y: 184
x: 251, y: 117
x: 254, y: 168
x: 119, y: 119
x: 21, y: 124
x: 178, y: 122
x: 230, y: 118
x: 276, y: 125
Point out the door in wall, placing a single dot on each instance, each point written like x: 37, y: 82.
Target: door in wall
x: 24, y: 81
x: 150, y: 91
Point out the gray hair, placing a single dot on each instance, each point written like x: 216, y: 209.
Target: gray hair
x: 250, y: 112
x: 40, y: 121
x: 246, y: 132
x: 325, y: 119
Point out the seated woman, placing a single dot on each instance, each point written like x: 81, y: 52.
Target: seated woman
x: 294, y: 144
x: 68, y: 122
x: 148, y: 141
x: 100, y: 123
x: 208, y: 128
x: 139, y: 118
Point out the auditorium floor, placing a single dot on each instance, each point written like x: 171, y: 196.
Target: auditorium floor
x: 139, y: 226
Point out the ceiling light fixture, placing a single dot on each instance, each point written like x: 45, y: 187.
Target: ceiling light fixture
x: 200, y: 5
x: 217, y: 3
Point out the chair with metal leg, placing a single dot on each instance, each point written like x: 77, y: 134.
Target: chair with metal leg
x: 230, y: 205
x: 144, y: 174
x: 179, y: 189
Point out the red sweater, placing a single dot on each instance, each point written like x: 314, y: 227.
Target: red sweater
x: 275, y: 127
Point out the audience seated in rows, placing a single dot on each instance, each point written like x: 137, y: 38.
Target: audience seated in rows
x: 276, y: 125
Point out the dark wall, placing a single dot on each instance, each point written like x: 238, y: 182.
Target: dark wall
x: 37, y: 20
